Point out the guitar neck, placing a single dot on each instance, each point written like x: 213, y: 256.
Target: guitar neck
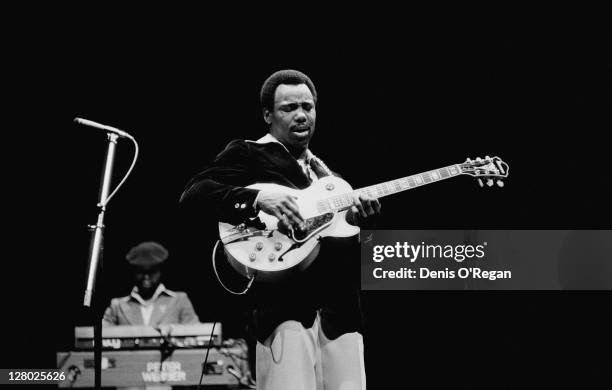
x: 345, y: 201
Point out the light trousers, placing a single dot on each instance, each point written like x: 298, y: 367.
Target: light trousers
x: 296, y: 358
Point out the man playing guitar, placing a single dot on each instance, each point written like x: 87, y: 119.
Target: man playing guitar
x: 308, y: 327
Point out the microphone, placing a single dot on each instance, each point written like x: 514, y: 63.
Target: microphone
x: 100, y: 126
x: 166, y: 346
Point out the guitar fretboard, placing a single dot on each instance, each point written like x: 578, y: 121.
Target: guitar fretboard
x: 344, y: 201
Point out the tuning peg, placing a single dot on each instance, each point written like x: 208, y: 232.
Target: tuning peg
x: 487, y: 158
x: 478, y: 159
x: 480, y: 182
x: 490, y: 182
x: 468, y: 160
x: 500, y: 183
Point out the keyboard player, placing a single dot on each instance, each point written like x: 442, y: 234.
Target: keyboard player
x: 150, y: 302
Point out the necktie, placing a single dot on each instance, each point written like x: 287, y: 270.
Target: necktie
x: 318, y: 168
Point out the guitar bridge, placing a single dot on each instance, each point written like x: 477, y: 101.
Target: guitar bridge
x: 245, y: 234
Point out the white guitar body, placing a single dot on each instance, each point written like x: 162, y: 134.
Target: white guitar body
x: 268, y: 254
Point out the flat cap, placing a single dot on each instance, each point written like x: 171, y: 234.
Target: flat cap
x: 146, y: 254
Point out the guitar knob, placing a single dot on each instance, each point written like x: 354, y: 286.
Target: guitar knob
x: 490, y: 182
x: 480, y: 182
x: 278, y: 246
x: 500, y: 183
x: 252, y: 256
x: 271, y: 256
x: 259, y: 245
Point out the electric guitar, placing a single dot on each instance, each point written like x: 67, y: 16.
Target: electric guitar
x: 259, y: 251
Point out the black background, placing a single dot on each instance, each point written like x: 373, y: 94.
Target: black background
x: 393, y: 100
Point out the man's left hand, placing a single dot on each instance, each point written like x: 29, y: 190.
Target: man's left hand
x: 363, y: 208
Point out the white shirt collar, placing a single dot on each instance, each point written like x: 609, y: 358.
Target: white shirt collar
x: 161, y: 289
x: 269, y: 138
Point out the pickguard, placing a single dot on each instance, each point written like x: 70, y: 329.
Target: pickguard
x: 313, y: 225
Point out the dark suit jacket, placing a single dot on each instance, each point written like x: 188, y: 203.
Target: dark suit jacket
x: 242, y: 163
x: 330, y: 284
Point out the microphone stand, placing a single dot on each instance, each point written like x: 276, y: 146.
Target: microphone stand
x: 95, y: 259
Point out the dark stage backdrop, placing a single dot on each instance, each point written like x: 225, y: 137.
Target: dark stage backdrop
x: 393, y: 103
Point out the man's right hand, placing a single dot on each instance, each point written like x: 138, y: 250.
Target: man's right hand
x: 283, y: 207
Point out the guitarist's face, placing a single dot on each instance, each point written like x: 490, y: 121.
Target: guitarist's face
x: 293, y: 119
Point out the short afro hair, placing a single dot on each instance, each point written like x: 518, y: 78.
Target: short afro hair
x: 287, y: 76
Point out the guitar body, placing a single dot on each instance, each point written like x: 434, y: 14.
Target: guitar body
x: 258, y: 248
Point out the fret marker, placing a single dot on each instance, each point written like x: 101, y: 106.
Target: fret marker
x: 435, y: 175
x: 419, y: 180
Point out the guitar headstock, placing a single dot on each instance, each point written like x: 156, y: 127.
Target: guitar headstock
x: 493, y: 169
